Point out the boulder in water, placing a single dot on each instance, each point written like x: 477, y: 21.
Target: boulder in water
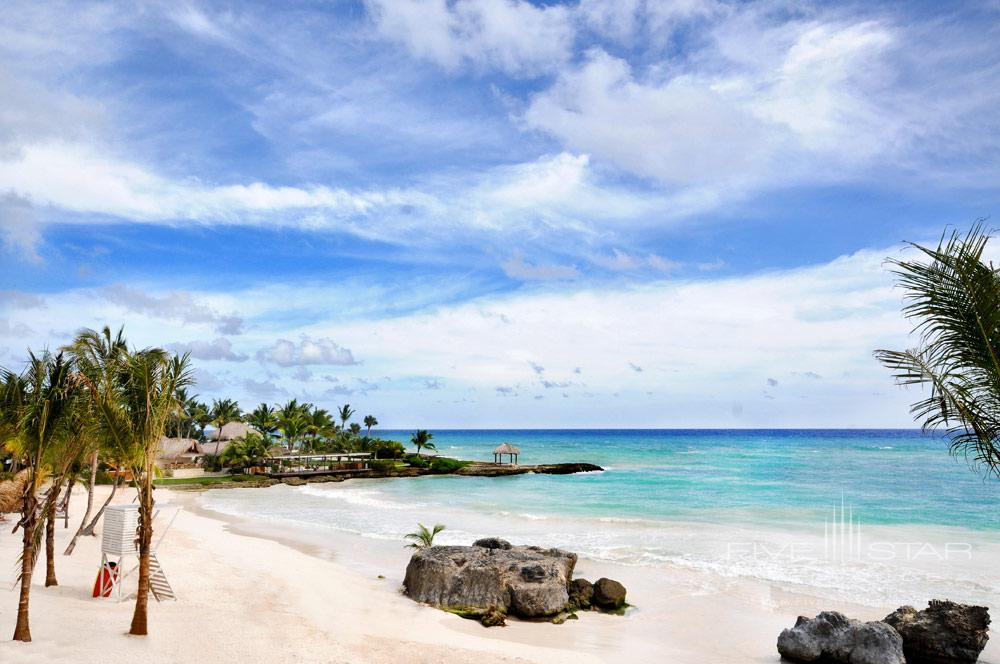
x: 943, y: 633
x: 834, y: 638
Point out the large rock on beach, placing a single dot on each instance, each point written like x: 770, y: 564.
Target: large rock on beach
x: 943, y: 633
x: 834, y: 638
x: 608, y: 594
x: 524, y: 581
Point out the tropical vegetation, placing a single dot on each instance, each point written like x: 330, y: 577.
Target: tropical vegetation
x: 423, y: 537
x: 953, y: 298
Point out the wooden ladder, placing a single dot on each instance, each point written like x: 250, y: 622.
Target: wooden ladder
x: 158, y: 583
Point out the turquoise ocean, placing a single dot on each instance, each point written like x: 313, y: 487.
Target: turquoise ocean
x: 772, y: 505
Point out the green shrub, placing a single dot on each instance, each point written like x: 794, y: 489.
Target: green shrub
x: 383, y: 465
x: 417, y: 461
x: 446, y: 465
x: 387, y: 449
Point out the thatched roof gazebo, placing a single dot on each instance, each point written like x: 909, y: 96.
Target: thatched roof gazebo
x: 507, y: 449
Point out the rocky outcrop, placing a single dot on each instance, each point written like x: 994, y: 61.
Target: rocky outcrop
x: 492, y: 579
x: 581, y: 592
x: 943, y: 633
x: 480, y: 469
x: 832, y: 637
x: 525, y: 581
x: 608, y: 595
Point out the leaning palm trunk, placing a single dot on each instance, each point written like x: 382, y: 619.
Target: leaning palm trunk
x: 51, y: 501
x: 89, y: 530
x: 90, y: 505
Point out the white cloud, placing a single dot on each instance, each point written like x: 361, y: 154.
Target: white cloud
x: 217, y: 349
x: 518, y: 268
x: 176, y: 305
x: 703, y: 346
x: 514, y: 36
x: 286, y: 353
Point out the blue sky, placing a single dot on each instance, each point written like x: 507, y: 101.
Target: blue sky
x: 495, y: 212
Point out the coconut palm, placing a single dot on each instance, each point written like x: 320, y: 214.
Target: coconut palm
x: 953, y: 297
x: 264, y: 419
x: 423, y: 537
x: 319, y: 423
x: 135, y: 398
x: 95, y: 352
x: 422, y: 439
x: 345, y: 413
x: 35, y: 410
x: 223, y: 412
x: 370, y: 422
x: 250, y: 450
x: 292, y: 421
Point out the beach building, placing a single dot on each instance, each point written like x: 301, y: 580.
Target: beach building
x: 508, y: 449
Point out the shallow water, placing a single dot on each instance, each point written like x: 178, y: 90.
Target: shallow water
x: 864, y: 516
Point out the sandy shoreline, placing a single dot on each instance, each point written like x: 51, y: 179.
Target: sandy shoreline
x: 254, y: 592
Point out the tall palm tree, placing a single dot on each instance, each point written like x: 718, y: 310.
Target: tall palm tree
x: 345, y: 413
x: 223, y: 412
x: 35, y: 410
x: 370, y: 422
x: 422, y: 439
x: 292, y: 421
x: 953, y: 297
x: 134, y: 402
x: 318, y: 423
x: 95, y: 352
x: 264, y: 419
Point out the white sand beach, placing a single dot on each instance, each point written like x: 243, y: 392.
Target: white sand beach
x: 254, y: 594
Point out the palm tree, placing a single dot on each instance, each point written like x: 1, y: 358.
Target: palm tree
x: 345, y: 413
x: 370, y: 422
x: 292, y: 421
x: 422, y: 439
x: 318, y: 423
x: 423, y: 538
x: 264, y: 419
x: 35, y: 412
x: 99, y: 351
x: 247, y: 451
x: 953, y: 297
x: 135, y: 398
x: 223, y: 412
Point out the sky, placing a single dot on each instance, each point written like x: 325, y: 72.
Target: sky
x: 495, y: 213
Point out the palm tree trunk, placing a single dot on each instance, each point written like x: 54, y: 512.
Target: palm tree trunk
x: 50, y: 535
x: 139, y: 618
x: 90, y: 505
x: 89, y: 530
x: 29, y: 518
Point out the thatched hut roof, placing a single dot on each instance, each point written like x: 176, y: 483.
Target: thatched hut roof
x: 506, y: 448
x: 232, y: 431
x: 12, y: 493
x: 172, y: 448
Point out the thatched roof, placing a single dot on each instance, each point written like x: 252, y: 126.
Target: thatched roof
x: 232, y: 431
x: 214, y: 447
x: 172, y: 448
x: 12, y: 493
x: 506, y: 448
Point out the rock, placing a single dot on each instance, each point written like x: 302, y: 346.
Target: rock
x: 832, y: 637
x: 493, y: 543
x: 608, y: 594
x: 524, y: 581
x: 563, y: 617
x: 493, y: 617
x: 943, y: 633
x: 580, y: 593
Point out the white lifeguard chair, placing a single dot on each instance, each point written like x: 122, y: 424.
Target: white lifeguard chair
x: 119, y: 544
